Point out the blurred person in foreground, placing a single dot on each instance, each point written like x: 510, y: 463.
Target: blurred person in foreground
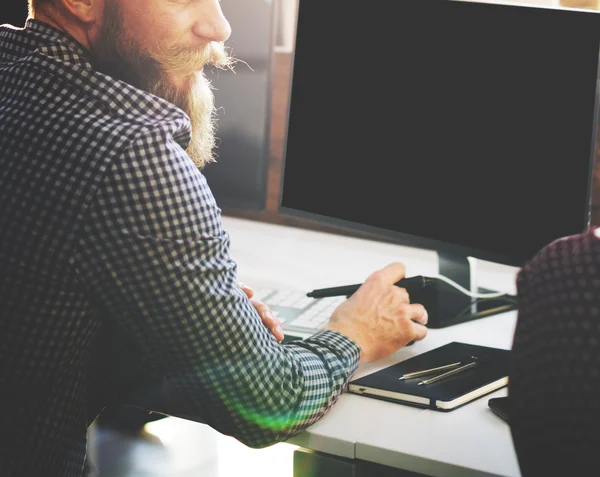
x: 116, y: 277
x: 554, y: 383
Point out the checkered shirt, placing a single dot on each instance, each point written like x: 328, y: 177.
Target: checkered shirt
x: 115, y: 273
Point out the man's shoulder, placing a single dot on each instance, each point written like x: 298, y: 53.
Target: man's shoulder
x: 566, y: 258
x: 61, y: 110
x: 570, y: 248
x: 61, y: 68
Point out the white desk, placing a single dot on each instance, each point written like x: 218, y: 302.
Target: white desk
x: 470, y: 441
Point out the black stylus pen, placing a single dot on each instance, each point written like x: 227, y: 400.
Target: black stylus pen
x: 411, y: 284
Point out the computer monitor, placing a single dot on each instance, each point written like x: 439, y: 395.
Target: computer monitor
x: 466, y: 128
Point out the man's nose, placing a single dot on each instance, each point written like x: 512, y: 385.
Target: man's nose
x: 211, y: 24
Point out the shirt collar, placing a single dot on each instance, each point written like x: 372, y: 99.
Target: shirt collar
x: 72, y: 50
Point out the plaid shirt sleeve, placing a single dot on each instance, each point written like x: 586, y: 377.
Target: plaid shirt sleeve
x: 156, y: 257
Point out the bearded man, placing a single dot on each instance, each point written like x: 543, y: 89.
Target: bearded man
x: 115, y: 273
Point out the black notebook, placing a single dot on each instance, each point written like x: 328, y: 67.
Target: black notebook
x: 489, y: 374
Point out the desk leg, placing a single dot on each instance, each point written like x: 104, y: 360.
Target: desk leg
x: 309, y: 463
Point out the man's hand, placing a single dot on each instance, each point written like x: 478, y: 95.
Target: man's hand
x: 379, y: 316
x: 265, y: 313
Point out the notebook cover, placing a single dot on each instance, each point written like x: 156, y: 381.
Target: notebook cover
x: 491, y: 371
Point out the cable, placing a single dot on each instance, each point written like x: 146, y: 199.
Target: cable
x: 467, y: 292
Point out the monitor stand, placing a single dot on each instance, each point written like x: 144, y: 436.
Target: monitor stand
x: 448, y: 306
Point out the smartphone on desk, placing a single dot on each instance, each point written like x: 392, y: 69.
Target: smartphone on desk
x: 499, y: 406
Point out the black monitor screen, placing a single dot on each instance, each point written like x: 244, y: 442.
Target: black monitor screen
x: 459, y: 124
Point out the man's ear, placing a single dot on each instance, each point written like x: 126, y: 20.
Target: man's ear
x: 86, y: 11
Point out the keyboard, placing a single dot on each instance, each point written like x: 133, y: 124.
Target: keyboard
x: 296, y: 311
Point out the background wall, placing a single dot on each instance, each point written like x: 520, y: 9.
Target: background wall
x: 13, y: 12
x: 238, y: 179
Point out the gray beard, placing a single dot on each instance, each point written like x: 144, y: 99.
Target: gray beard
x: 198, y: 103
